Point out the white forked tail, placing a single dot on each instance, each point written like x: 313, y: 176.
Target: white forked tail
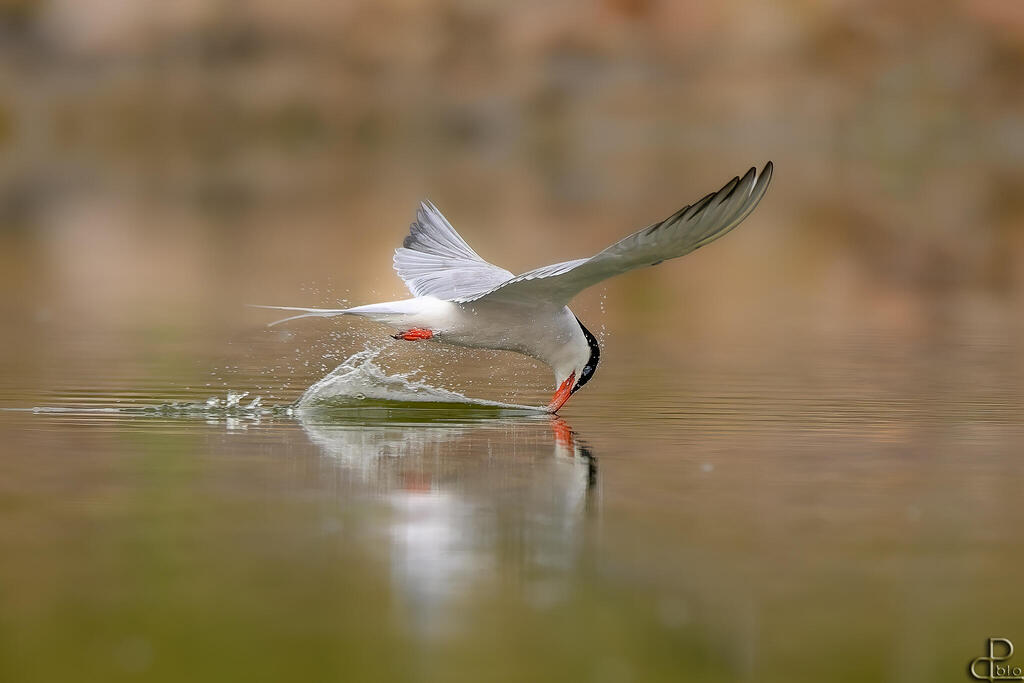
x: 384, y: 312
x: 306, y: 312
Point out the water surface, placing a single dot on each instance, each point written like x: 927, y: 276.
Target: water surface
x: 847, y: 513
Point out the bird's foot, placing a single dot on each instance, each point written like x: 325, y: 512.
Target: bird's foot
x: 413, y: 334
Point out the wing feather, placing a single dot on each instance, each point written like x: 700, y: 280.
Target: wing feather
x: 435, y: 261
x: 686, y: 230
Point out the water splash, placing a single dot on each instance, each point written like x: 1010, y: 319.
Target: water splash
x: 360, y: 379
x: 231, y: 407
x: 357, y: 382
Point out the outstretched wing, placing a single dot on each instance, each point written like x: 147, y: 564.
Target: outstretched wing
x: 435, y: 261
x: 689, y: 228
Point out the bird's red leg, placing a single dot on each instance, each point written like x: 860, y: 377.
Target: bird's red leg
x: 562, y: 395
x: 414, y: 334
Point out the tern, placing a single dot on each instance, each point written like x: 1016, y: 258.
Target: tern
x: 463, y: 300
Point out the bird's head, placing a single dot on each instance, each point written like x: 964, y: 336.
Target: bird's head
x: 577, y: 370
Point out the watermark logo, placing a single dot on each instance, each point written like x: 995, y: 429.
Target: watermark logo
x: 992, y: 668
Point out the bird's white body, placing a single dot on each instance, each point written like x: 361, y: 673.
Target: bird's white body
x: 549, y: 333
x: 461, y: 299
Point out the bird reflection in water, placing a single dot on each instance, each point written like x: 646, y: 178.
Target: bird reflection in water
x: 468, y: 504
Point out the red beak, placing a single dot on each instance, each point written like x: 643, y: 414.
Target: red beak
x: 562, y: 395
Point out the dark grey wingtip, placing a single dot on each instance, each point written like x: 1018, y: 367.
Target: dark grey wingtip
x: 731, y: 187
x: 763, y: 179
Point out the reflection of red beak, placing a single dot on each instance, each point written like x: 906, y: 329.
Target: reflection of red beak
x: 563, y: 433
x: 562, y: 395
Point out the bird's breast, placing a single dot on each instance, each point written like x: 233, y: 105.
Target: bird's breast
x: 529, y: 330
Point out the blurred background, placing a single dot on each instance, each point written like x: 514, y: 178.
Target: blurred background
x: 854, y: 352
x: 164, y: 162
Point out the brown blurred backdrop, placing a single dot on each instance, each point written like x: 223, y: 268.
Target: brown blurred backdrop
x: 162, y: 164
x: 808, y: 432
